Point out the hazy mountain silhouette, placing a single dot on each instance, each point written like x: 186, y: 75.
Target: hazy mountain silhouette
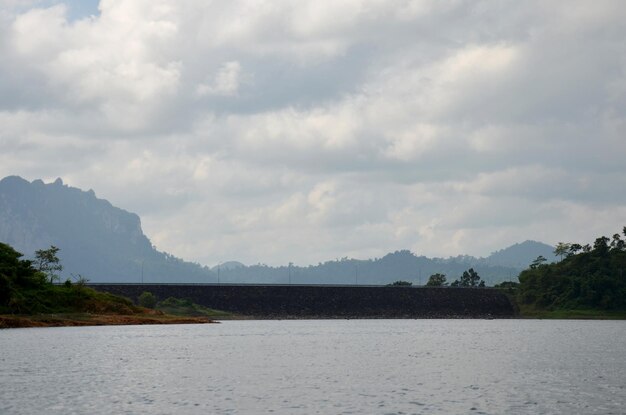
x: 521, y: 255
x: 400, y: 265
x: 97, y: 240
x: 228, y: 265
x: 106, y: 244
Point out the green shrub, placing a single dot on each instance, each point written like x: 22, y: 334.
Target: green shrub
x: 400, y: 284
x: 147, y: 299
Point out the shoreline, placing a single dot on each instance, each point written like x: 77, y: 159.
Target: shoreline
x: 8, y: 321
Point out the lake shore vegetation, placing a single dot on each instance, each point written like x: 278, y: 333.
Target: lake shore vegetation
x: 29, y: 298
x: 589, y: 282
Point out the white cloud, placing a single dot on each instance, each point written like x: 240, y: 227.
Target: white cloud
x: 226, y: 81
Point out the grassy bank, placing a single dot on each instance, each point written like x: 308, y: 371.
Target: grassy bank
x: 186, y: 308
x: 530, y: 311
x: 28, y: 298
x: 573, y: 314
x: 76, y: 305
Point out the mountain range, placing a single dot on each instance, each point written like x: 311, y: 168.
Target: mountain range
x: 104, y: 243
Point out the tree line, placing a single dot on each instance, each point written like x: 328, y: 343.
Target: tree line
x: 469, y: 279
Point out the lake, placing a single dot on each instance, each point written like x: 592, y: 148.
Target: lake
x: 318, y: 367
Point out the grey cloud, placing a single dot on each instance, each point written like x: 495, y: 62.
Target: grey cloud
x: 445, y: 127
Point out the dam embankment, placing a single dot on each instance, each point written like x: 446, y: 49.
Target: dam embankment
x: 329, y: 301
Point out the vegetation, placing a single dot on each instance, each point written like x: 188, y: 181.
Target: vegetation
x: 48, y: 262
x: 147, y: 299
x: 26, y: 289
x: 582, y: 314
x: 28, y: 297
x: 400, y: 283
x: 185, y: 307
x: 470, y: 278
x: 437, y: 280
x: 540, y: 260
x: 509, y: 287
x: 587, y: 279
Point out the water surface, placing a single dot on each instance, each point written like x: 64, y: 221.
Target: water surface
x: 318, y: 367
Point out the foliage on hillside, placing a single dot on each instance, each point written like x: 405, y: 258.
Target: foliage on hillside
x: 26, y: 290
x: 587, y: 277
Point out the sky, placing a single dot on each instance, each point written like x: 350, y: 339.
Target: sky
x: 283, y: 131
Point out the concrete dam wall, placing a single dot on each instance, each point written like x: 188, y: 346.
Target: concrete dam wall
x: 299, y: 301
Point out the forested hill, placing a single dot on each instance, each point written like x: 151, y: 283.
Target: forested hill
x: 588, y: 277
x: 106, y: 244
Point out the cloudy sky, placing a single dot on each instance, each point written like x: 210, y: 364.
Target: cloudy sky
x: 276, y: 131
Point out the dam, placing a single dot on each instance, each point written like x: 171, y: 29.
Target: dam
x: 330, y: 301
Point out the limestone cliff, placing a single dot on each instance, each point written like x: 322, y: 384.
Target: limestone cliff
x: 97, y: 240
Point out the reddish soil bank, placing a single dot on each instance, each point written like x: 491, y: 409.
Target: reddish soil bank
x: 63, y: 320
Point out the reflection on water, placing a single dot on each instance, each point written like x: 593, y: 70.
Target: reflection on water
x: 318, y: 366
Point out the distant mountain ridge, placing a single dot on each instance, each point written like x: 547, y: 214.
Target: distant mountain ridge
x: 522, y: 254
x: 518, y: 256
x: 106, y: 244
x: 228, y: 265
x: 399, y: 265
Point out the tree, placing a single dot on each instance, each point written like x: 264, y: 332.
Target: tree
x: 400, y: 283
x: 16, y: 274
x: 147, y: 299
x: 80, y: 279
x: 540, y: 260
x: 508, y: 286
x: 601, y: 246
x: 470, y: 278
x: 437, y: 280
x: 617, y: 243
x: 574, y: 249
x: 561, y: 249
x: 47, y: 261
